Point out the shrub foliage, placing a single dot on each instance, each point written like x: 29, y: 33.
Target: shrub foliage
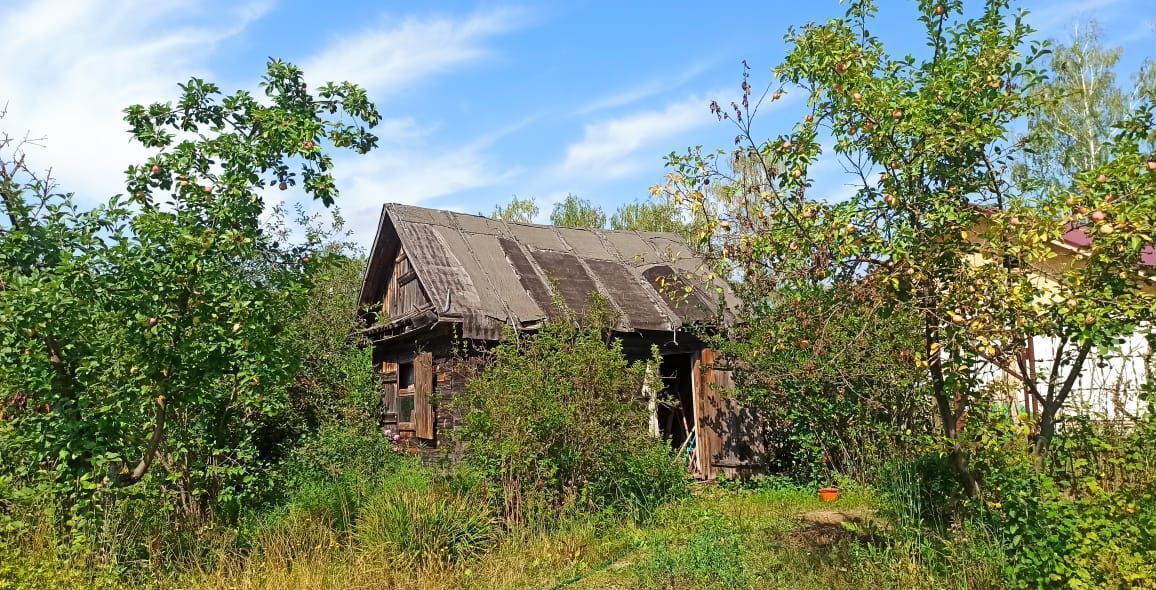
x: 559, y: 420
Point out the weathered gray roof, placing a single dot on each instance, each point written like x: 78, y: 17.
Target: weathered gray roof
x: 488, y: 274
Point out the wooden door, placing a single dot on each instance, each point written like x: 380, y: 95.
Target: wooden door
x: 731, y: 433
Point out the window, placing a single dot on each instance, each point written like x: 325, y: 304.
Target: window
x: 405, y: 376
x: 405, y: 409
x: 405, y: 395
x: 409, y: 387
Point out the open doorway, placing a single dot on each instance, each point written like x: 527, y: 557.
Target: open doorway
x: 676, y: 420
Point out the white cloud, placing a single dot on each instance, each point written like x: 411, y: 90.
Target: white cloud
x: 645, y: 89
x: 403, y: 129
x: 413, y: 171
x: 409, y: 172
x: 76, y: 64
x: 394, y: 55
x: 412, y: 177
x: 609, y: 148
x: 409, y: 166
x: 72, y: 65
x: 1051, y: 18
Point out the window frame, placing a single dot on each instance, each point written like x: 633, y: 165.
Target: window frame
x: 409, y: 391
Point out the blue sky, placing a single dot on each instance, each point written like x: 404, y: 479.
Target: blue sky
x: 482, y: 100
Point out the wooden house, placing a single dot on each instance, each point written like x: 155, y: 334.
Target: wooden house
x: 440, y: 286
x: 1111, y: 380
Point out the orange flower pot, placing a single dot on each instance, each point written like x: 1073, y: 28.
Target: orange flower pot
x: 828, y: 494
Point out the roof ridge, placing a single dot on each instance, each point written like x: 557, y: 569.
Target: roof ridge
x: 674, y: 235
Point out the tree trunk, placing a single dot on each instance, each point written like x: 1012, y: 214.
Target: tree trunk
x: 1050, y: 408
x: 957, y: 457
x: 959, y: 463
x: 949, y: 410
x: 1047, y: 432
x: 150, y: 452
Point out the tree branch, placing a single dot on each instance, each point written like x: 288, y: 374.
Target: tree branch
x: 1055, y: 370
x: 1073, y: 375
x: 150, y: 453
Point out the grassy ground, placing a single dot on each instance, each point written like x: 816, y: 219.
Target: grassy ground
x: 717, y: 539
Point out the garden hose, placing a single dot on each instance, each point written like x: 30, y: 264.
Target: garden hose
x: 627, y: 551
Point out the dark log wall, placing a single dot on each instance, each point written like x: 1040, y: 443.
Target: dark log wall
x: 731, y: 438
x: 451, y: 368
x: 403, y: 293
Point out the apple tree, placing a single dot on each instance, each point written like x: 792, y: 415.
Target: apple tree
x: 141, y: 340
x: 934, y: 221
x: 1091, y: 243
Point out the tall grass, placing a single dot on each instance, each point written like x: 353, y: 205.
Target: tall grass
x: 414, y: 530
x: 921, y: 502
x: 421, y: 527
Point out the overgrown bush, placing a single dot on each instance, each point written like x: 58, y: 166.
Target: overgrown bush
x: 348, y: 486
x: 1095, y: 532
x: 143, y: 348
x: 645, y: 479
x: 558, y: 421
x: 350, y: 454
x: 55, y: 568
x: 422, y: 526
x: 1103, y: 540
x: 329, y: 477
x: 831, y: 370
x: 335, y: 382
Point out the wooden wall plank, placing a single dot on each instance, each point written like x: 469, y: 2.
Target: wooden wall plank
x: 708, y: 412
x: 698, y: 391
x: 423, y: 382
